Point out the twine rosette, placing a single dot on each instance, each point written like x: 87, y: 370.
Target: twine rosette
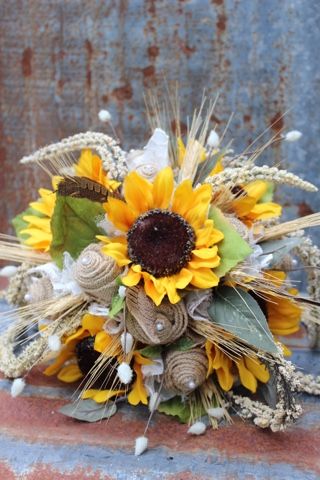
x: 154, y: 325
x: 184, y: 371
x: 96, y: 274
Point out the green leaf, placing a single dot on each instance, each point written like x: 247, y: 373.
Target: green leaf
x: 73, y: 226
x: 116, y: 305
x: 236, y: 311
x: 268, y: 196
x: 182, y: 345
x: 233, y: 249
x: 20, y: 224
x: 279, y: 248
x: 151, y: 351
x: 89, y: 410
x: 176, y: 408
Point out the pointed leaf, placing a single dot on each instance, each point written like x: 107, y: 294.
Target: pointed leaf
x: 74, y: 226
x: 117, y: 304
x: 89, y: 410
x: 233, y: 249
x: 177, y: 408
x: 151, y: 351
x: 236, y: 311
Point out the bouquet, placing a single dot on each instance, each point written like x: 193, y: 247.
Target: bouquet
x: 161, y: 277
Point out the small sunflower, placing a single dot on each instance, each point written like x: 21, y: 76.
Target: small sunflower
x: 39, y: 228
x: 248, y: 370
x: 168, y: 241
x: 283, y: 314
x: 90, y: 166
x: 249, y: 206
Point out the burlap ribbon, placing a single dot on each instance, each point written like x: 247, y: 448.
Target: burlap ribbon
x: 96, y: 274
x: 184, y: 371
x: 151, y: 324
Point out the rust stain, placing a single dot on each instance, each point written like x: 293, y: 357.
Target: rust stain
x: 304, y: 209
x: 26, y: 62
x: 151, y: 6
x: 247, y: 118
x: 153, y: 52
x: 148, y: 71
x: 105, y: 98
x: 89, y: 50
x: 221, y: 23
x: 217, y: 2
x: 277, y: 122
x: 183, y: 127
x: 123, y: 93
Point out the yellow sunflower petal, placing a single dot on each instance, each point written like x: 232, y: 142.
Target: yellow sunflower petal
x: 208, y: 235
x: 70, y: 373
x: 154, y: 289
x: 78, y: 335
x: 101, y: 396
x: 263, y: 211
x: 218, y: 168
x: 118, y: 251
x: 163, y: 188
x: 103, y: 343
x: 137, y: 193
x: 247, y: 378
x: 92, y: 323
x: 119, y: 214
x: 256, y: 189
x: 64, y: 355
x: 203, y: 278
x: 243, y: 205
x: 132, y: 278
x: 138, y: 393
x: 225, y: 378
x: 257, y: 369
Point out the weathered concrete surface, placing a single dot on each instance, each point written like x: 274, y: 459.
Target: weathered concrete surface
x: 63, y: 61
x: 38, y: 442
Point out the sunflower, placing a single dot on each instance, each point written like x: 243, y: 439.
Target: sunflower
x: 283, y: 314
x: 168, y: 241
x: 248, y: 204
x: 249, y: 370
x: 80, y: 352
x: 39, y: 227
x: 90, y: 166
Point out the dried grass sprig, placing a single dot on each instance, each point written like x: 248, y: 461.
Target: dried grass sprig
x: 236, y: 176
x: 59, y: 155
x: 277, y: 231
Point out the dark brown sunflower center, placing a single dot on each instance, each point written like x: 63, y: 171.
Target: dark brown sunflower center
x: 161, y: 242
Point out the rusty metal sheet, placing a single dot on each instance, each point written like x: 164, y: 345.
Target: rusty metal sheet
x: 61, y: 62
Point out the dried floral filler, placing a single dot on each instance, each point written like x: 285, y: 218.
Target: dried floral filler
x: 161, y: 277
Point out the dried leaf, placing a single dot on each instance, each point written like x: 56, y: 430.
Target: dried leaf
x: 89, y: 410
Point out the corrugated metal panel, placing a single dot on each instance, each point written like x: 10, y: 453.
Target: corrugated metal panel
x: 63, y: 61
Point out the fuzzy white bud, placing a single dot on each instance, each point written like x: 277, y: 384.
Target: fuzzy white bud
x: 197, y: 428
x: 122, y: 291
x: 217, y: 412
x: 126, y: 342
x: 8, y: 271
x: 141, y: 445
x: 54, y: 343
x: 17, y: 387
x: 104, y: 116
x: 292, y: 136
x: 125, y: 373
x: 27, y: 297
x: 213, y: 139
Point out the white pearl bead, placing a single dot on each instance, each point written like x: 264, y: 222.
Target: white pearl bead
x: 85, y: 261
x: 191, y: 385
x: 159, y: 326
x: 27, y: 297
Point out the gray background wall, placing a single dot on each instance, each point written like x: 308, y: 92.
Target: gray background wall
x: 62, y: 61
